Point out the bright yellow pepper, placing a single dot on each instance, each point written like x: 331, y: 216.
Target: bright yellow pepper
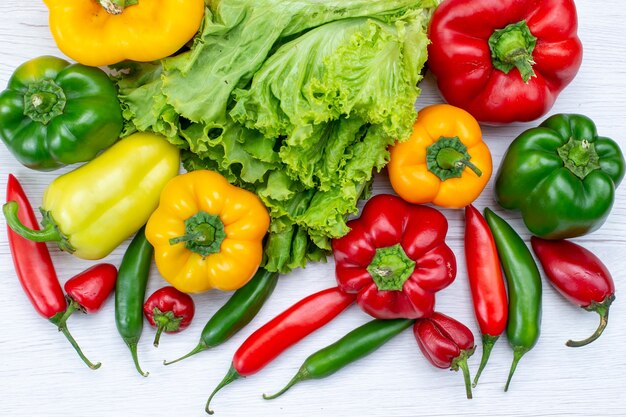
x: 104, y: 32
x: 444, y: 162
x: 207, y: 233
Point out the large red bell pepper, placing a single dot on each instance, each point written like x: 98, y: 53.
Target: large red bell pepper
x: 504, y: 60
x: 395, y: 258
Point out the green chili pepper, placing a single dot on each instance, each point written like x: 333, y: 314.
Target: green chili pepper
x: 357, y: 344
x: 130, y: 290
x: 53, y: 113
x: 524, y: 282
x: 238, y: 311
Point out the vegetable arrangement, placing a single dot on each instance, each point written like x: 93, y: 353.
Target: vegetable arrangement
x: 282, y: 111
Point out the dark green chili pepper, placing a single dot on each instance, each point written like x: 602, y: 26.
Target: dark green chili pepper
x: 355, y: 345
x: 130, y: 290
x: 238, y: 311
x: 524, y: 282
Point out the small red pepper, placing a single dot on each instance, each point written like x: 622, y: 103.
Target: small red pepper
x: 395, y: 258
x: 169, y: 310
x: 88, y: 290
x: 504, y: 60
x: 35, y: 270
x: 446, y: 343
x: 491, y: 306
x: 580, y: 276
x: 283, y: 331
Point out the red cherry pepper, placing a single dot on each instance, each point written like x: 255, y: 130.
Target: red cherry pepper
x: 446, y: 343
x: 580, y: 276
x: 35, y: 270
x: 169, y: 310
x: 283, y: 331
x: 486, y: 282
x: 395, y: 258
x: 504, y: 60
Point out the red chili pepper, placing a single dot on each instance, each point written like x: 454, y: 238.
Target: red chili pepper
x: 486, y: 282
x: 580, y: 276
x: 283, y: 331
x: 446, y: 343
x: 169, y: 310
x: 504, y: 60
x: 35, y: 270
x: 395, y: 258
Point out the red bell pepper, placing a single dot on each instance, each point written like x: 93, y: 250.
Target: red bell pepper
x: 491, y: 306
x: 169, y: 310
x: 504, y: 60
x: 446, y: 343
x: 579, y: 276
x: 395, y: 258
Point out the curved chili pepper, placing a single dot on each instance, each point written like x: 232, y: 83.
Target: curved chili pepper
x: 88, y: 290
x: 357, y: 344
x: 486, y: 282
x: 238, y: 311
x: 169, y: 310
x: 283, y: 331
x: 524, y: 282
x: 578, y: 275
x: 130, y: 291
x: 446, y: 343
x: 35, y: 270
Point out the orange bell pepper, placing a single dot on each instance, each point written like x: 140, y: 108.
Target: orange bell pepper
x: 444, y: 162
x: 105, y: 32
x: 207, y: 233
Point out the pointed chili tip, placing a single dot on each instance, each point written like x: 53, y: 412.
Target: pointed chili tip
x: 231, y: 375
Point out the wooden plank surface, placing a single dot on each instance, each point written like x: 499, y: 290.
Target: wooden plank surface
x: 40, y: 374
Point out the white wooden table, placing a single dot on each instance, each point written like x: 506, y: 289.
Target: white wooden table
x: 40, y: 375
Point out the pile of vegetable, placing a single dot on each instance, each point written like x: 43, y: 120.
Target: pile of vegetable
x: 282, y: 111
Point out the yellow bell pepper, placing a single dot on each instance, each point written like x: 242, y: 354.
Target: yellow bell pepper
x: 91, y: 210
x: 104, y: 32
x: 207, y: 233
x: 444, y: 162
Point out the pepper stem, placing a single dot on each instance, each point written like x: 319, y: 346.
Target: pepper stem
x: 460, y: 362
x: 133, y: 352
x: 63, y: 329
x: 71, y: 308
x: 603, y: 310
x: 204, y: 234
x: 201, y: 347
x: 488, y: 342
x: 518, y: 352
x: 512, y: 47
x: 157, y: 337
x: 231, y: 376
x: 48, y: 234
x: 116, y: 7
x: 299, y: 376
x: 448, y: 157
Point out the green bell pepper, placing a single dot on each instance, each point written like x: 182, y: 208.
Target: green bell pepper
x: 54, y: 114
x: 562, y: 176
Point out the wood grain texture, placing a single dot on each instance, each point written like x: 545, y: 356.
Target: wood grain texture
x: 41, y: 375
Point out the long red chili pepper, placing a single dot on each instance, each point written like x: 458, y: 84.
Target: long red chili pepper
x: 283, y: 331
x: 35, y: 270
x: 578, y: 275
x: 486, y: 282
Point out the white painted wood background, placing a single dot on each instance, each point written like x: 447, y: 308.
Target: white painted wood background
x: 40, y: 375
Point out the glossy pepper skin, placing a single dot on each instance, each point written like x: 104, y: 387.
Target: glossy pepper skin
x: 395, y: 258
x: 444, y: 161
x: 207, y: 233
x: 486, y: 282
x: 282, y: 332
x: 504, y: 60
x: 104, y: 32
x: 238, y: 311
x: 169, y: 310
x: 562, y: 176
x: 54, y: 114
x: 35, y: 271
x: 88, y: 290
x: 91, y: 210
x: 524, y: 283
x: 446, y: 343
x: 357, y: 344
x: 579, y: 276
